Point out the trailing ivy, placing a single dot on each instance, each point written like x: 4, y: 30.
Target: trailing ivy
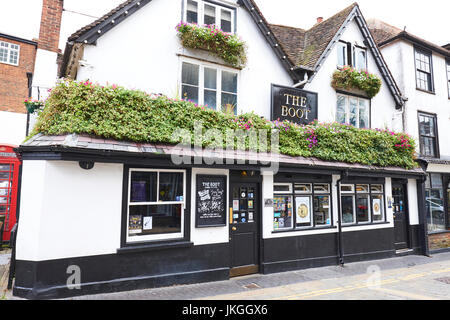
x: 348, y: 78
x: 114, y: 112
x: 227, y: 46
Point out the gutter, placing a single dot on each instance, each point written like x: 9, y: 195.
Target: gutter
x: 344, y: 174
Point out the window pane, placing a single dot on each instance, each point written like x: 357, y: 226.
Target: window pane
x: 143, y: 187
x: 347, y: 209
x: 322, y: 210
x: 190, y: 74
x: 192, y: 12
x: 360, y: 59
x: 435, y: 209
x: 171, y: 186
x: 436, y: 180
x: 210, y: 15
x: 4, y: 175
x: 377, y: 208
x: 229, y: 82
x: 282, y: 212
x: 154, y: 219
x: 342, y: 54
x: 362, y: 188
x: 210, y: 78
x: 376, y: 188
x: 190, y: 93
x: 428, y: 146
x: 353, y: 112
x: 303, y: 210
x: 362, y: 208
x: 363, y: 113
x: 225, y: 20
x: 3, y: 54
x: 302, y: 188
x: 347, y: 188
x: 282, y: 188
x: 321, y: 188
x: 229, y: 103
x: 340, y: 114
x: 4, y: 167
x: 211, y: 99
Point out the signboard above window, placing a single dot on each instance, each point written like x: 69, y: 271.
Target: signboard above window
x: 296, y: 105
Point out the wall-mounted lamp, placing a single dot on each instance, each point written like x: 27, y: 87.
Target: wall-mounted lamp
x: 86, y: 165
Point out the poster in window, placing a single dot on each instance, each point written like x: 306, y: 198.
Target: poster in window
x: 303, y: 210
x: 135, y: 224
x: 211, y: 197
x: 148, y: 223
x: 138, y: 191
x: 376, y: 207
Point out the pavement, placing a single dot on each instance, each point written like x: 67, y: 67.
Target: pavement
x: 400, y: 278
x: 5, y: 256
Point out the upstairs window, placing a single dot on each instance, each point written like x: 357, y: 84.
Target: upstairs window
x: 353, y: 110
x: 424, y: 74
x: 213, y: 87
x: 206, y: 13
x: 350, y: 55
x: 428, y: 135
x: 9, y: 53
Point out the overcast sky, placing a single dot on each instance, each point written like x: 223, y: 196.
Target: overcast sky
x: 427, y: 19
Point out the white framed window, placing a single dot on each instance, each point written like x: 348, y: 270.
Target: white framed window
x: 208, y: 13
x: 282, y: 188
x: 353, y: 110
x: 351, y: 55
x: 9, y: 53
x: 156, y: 205
x: 342, y: 54
x: 209, y: 85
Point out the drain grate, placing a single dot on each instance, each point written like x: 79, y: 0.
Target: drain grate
x: 252, y: 286
x: 444, y: 280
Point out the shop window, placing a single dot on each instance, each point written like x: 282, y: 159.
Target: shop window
x: 434, y: 202
x: 362, y: 204
x: 352, y: 110
x: 301, y: 205
x: 209, y: 86
x: 424, y: 72
x: 156, y: 203
x: 428, y: 135
x: 207, y: 13
x: 9, y: 53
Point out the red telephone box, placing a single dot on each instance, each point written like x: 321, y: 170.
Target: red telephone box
x: 9, y: 179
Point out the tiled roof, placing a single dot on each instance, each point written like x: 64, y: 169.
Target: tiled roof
x: 384, y: 33
x: 306, y: 47
x: 88, y: 143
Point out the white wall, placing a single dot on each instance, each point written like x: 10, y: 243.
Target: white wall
x: 141, y: 53
x: 12, y: 127
x: 67, y: 211
x: 382, y: 105
x: 437, y: 102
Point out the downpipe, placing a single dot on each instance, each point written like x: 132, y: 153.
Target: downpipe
x: 344, y: 174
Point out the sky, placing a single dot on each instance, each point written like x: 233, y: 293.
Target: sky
x: 427, y: 19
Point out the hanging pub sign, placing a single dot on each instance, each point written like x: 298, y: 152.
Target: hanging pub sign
x: 296, y: 105
x: 211, y: 197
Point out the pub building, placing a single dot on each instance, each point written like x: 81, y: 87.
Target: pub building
x: 119, y: 215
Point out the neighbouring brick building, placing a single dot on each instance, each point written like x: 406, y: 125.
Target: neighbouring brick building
x: 17, y: 58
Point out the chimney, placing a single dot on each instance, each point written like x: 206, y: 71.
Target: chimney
x: 50, y: 25
x: 319, y: 19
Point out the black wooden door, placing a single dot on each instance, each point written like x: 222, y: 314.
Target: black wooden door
x: 244, y: 222
x: 400, y: 209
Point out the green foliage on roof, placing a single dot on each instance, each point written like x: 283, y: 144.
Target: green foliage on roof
x: 117, y: 113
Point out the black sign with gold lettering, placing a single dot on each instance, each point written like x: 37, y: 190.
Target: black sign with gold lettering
x: 296, y: 105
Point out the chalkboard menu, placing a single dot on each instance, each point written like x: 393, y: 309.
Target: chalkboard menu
x: 211, y: 197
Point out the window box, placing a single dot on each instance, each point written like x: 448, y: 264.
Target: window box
x: 227, y: 46
x: 351, y: 79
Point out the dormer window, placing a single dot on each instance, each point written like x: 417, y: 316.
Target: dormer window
x: 360, y: 58
x: 206, y: 13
